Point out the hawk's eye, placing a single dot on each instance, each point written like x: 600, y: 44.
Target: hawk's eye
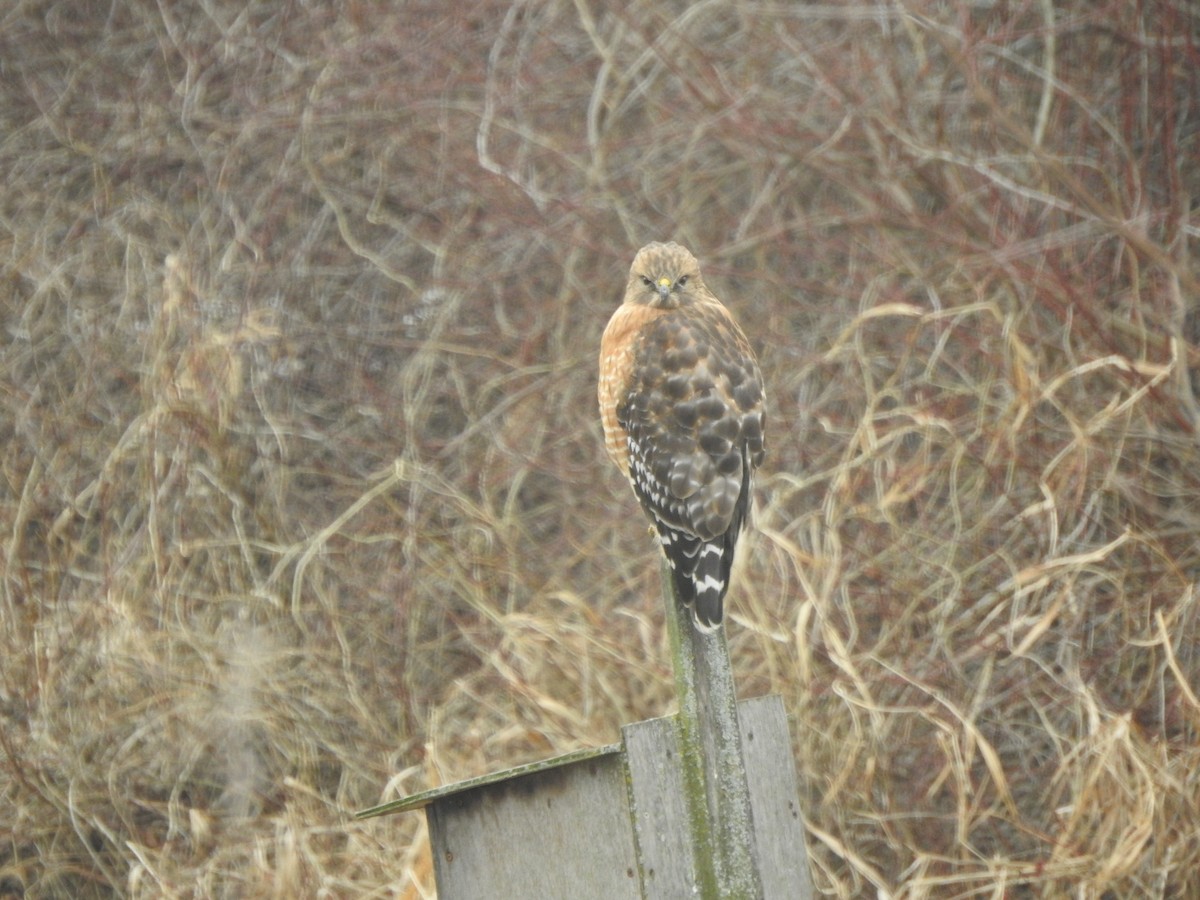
x: 647, y: 282
x: 682, y: 280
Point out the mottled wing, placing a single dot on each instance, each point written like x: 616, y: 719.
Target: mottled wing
x: 694, y: 419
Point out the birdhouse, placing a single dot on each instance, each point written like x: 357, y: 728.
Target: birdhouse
x: 614, y: 821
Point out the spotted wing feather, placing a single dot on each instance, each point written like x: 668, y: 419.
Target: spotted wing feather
x: 694, y: 423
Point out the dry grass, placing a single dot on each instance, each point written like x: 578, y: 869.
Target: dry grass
x: 304, y: 504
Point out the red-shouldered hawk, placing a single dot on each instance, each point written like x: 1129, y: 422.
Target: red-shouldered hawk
x: 681, y: 397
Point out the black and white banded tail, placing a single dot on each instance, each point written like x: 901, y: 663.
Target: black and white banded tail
x: 700, y: 570
x: 700, y: 567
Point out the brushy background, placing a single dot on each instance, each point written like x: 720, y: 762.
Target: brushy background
x: 304, y: 505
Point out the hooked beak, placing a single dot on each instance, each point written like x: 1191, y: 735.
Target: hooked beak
x: 663, y: 286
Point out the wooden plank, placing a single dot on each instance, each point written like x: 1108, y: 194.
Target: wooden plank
x: 774, y: 800
x: 714, y: 775
x: 666, y: 854
x: 423, y: 799
x: 561, y: 832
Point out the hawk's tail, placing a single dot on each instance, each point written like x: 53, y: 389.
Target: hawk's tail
x: 710, y: 579
x: 700, y: 570
x: 701, y: 567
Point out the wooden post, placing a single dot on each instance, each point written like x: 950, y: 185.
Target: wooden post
x: 702, y: 804
x: 710, y: 742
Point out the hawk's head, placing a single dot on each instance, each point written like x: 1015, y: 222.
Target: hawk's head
x: 664, y: 275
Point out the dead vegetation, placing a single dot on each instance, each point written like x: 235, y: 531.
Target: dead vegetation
x: 304, y: 504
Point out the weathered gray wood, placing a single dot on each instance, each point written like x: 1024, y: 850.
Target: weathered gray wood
x: 612, y: 821
x: 666, y: 854
x: 424, y: 798
x: 714, y: 775
x: 774, y: 800
x: 560, y: 832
